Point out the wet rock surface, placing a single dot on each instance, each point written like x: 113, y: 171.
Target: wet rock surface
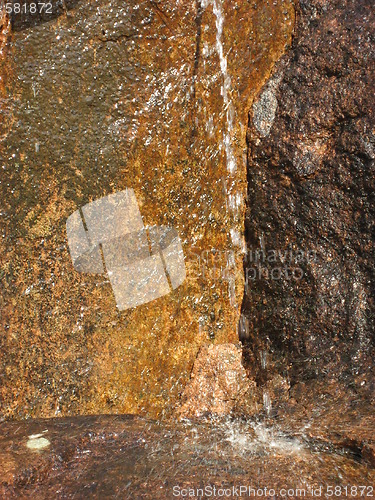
x: 332, y: 417
x: 4, y: 31
x: 5, y: 109
x: 308, y: 311
x: 128, y: 457
x: 306, y: 413
x: 217, y: 382
x: 105, y: 96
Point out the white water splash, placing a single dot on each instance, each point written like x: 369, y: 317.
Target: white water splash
x: 257, y: 437
x: 234, y: 202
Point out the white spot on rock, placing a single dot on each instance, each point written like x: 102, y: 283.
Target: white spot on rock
x: 37, y: 442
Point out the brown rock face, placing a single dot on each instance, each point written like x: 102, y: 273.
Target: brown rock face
x: 309, y: 309
x: 218, y: 381
x: 110, y: 95
x: 331, y: 416
x: 4, y: 30
x: 5, y: 115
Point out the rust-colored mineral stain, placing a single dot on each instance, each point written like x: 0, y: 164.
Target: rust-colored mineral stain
x: 101, y: 104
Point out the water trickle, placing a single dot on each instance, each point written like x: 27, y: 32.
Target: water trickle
x: 267, y: 402
x: 227, y: 86
x: 243, y: 328
x: 263, y: 359
x: 234, y: 199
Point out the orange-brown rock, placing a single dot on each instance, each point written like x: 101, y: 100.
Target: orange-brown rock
x: 110, y: 95
x: 4, y: 30
x: 5, y: 115
x: 218, y: 381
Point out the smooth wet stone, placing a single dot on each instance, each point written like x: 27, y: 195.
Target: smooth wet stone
x: 129, y: 457
x: 332, y: 416
x: 108, y: 96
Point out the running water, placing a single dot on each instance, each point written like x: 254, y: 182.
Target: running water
x: 227, y: 86
x: 125, y: 117
x: 127, y: 457
x: 256, y: 437
x: 234, y: 199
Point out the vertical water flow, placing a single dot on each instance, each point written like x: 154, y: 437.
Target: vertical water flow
x: 226, y: 87
x: 234, y: 200
x: 267, y: 401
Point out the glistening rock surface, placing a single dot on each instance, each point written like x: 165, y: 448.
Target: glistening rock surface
x: 105, y: 96
x: 5, y: 114
x: 128, y: 457
x: 218, y: 382
x: 309, y: 309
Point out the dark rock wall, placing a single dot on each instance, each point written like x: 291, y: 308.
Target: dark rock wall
x: 309, y: 313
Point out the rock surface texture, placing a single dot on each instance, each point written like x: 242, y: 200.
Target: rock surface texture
x: 108, y: 95
x: 128, y: 457
x: 308, y: 314
x: 5, y: 115
x: 309, y: 311
x: 218, y: 381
